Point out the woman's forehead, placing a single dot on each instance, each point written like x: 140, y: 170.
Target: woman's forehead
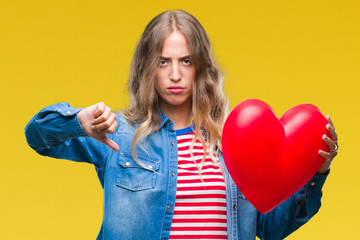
x: 175, y: 44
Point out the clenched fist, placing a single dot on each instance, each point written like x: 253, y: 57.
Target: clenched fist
x: 97, y: 120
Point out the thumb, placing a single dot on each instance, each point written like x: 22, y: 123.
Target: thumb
x: 113, y: 145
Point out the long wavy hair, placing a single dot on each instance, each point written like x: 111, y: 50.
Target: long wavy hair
x: 209, y: 104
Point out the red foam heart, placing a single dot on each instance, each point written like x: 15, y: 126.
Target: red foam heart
x: 270, y: 159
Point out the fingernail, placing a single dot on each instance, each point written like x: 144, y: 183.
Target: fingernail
x: 324, y: 136
x: 93, y: 127
x: 92, y: 122
x: 328, y: 126
x: 320, y: 151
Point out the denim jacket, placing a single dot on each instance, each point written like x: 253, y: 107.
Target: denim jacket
x: 138, y: 201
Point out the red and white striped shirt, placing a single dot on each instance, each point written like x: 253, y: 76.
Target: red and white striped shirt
x: 200, y: 206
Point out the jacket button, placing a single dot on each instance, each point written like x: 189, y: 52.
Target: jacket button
x: 168, y: 208
x: 172, y: 174
x: 169, y: 124
x: 312, y: 183
x: 172, y: 143
x: 127, y: 164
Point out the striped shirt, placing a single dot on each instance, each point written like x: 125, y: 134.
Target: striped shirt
x: 200, y: 206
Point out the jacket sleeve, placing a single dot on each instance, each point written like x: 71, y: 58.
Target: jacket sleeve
x: 289, y: 216
x: 56, y: 132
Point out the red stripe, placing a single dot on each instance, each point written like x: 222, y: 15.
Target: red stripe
x: 191, y: 161
x: 187, y: 140
x: 198, y: 237
x: 187, y: 148
x: 201, y: 188
x: 202, y: 196
x: 200, y: 220
x: 207, y: 212
x: 197, y: 174
x: 198, y: 229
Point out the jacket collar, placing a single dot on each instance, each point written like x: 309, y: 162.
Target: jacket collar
x: 164, y: 119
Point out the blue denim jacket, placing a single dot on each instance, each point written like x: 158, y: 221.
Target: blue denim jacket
x: 139, y: 202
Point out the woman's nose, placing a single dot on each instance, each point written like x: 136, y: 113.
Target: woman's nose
x: 175, y: 73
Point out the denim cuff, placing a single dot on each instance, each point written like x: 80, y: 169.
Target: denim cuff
x: 69, y: 122
x: 315, y: 184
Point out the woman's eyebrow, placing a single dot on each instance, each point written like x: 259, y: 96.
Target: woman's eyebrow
x: 187, y: 56
x: 168, y: 58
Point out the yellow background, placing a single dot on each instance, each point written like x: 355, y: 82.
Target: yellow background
x: 282, y: 52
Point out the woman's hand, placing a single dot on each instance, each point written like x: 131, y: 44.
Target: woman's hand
x: 332, y: 142
x: 97, y: 120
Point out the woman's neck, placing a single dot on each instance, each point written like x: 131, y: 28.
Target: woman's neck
x: 180, y: 116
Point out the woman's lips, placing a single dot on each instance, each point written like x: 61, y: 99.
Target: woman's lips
x: 175, y: 89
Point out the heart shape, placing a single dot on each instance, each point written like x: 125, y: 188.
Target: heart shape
x: 270, y: 159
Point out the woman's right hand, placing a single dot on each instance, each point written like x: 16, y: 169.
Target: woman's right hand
x: 97, y: 120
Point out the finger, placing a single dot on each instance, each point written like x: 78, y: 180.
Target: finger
x: 100, y: 108
x: 332, y: 132
x: 112, y: 128
x: 103, y: 117
x: 329, y: 142
x: 104, y: 126
x: 113, y: 145
x: 330, y: 121
x: 328, y: 155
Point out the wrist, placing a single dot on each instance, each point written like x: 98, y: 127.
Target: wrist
x: 323, y: 172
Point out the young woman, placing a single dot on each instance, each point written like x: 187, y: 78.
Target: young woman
x: 159, y: 162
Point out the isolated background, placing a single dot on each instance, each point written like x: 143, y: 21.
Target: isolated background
x: 282, y: 52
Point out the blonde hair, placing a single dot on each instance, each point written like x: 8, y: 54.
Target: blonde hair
x: 209, y: 104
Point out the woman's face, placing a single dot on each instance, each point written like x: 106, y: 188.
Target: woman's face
x: 175, y: 74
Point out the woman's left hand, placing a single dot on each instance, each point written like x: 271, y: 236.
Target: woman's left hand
x: 332, y: 142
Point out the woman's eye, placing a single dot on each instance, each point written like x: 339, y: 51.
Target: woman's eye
x: 163, y: 62
x: 187, y: 61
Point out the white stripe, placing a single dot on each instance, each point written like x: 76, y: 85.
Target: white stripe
x: 202, y: 171
x: 198, y: 208
x: 181, y: 153
x: 187, y: 144
x: 196, y: 158
x: 192, y: 164
x: 201, y: 184
x: 197, y: 216
x: 186, y: 136
x: 197, y: 200
x: 196, y: 177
